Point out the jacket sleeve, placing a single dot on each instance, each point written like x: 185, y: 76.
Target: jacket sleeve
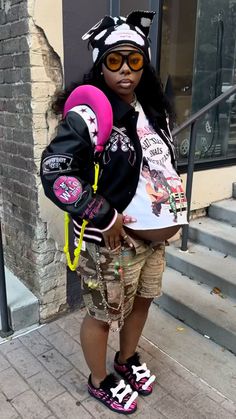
x: 66, y: 162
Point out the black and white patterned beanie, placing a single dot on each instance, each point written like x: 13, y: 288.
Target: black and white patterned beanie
x: 113, y: 31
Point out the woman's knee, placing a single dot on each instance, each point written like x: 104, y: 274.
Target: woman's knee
x: 142, y: 304
x: 93, y: 322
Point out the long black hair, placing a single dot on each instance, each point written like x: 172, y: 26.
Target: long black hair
x: 149, y: 91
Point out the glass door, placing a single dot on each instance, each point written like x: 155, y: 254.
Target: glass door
x: 177, y: 53
x: 214, y: 73
x: 197, y: 64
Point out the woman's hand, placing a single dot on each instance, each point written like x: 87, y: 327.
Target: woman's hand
x: 116, y: 234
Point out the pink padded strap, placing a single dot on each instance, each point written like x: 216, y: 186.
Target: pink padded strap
x: 100, y: 105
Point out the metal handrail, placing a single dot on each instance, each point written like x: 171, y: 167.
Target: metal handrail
x: 5, y: 328
x: 192, y: 122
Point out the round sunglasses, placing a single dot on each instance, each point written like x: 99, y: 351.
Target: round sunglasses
x: 115, y: 60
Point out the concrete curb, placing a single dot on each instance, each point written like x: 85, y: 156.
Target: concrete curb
x: 22, y: 303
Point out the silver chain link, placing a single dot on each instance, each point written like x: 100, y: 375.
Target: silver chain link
x: 105, y: 303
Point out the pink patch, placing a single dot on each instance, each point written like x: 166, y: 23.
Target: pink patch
x: 67, y: 189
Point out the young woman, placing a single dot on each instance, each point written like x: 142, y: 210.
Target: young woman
x: 138, y: 205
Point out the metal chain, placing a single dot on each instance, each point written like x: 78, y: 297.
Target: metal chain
x: 105, y: 303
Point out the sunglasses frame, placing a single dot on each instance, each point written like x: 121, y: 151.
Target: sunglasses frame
x: 124, y: 59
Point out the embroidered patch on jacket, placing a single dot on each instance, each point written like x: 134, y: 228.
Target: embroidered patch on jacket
x: 67, y: 189
x: 119, y: 141
x: 57, y: 163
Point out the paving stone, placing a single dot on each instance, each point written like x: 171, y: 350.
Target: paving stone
x: 162, y: 360
x: 157, y: 363
x: 179, y: 388
x: 4, y: 364
x: 76, y: 384
x: 156, y: 367
x: 46, y: 386
x: 55, y: 363
x: 36, y: 343
x: 11, y: 384
x: 78, y: 362
x: 30, y: 406
x: 10, y: 346
x: 77, y: 339
x: 69, y: 324
x: 61, y: 388
x: 98, y: 410
x: 230, y: 406
x: 79, y: 314
x: 24, y: 362
x: 148, y: 414
x: 49, y: 329
x: 110, y: 359
x: 64, y: 343
x: 65, y: 406
x: 174, y: 409
x: 113, y: 341
x: 148, y: 348
x: 208, y: 408
x: 200, y: 385
x: 6, y: 410
x: 144, y: 355
x: 157, y: 394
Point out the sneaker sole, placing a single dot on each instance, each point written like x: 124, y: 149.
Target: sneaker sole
x: 113, y: 410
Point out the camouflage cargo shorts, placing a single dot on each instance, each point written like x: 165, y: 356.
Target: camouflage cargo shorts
x: 142, y: 268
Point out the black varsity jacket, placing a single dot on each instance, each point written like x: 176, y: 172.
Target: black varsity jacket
x: 67, y: 167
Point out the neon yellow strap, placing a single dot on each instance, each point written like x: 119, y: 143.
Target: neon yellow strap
x: 73, y: 265
x: 96, y: 174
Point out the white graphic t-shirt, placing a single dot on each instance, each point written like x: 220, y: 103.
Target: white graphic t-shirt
x: 159, y: 200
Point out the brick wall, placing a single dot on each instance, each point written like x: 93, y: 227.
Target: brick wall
x: 29, y: 73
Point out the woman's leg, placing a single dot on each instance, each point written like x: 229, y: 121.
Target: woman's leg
x: 94, y: 336
x: 132, y: 329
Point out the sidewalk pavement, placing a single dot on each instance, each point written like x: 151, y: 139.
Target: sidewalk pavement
x: 43, y: 376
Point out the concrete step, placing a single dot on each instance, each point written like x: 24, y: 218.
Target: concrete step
x: 224, y: 211
x: 203, y: 357
x: 209, y: 266
x: 214, y: 234
x: 192, y: 302
x: 22, y: 304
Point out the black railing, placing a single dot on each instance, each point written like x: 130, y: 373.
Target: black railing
x: 192, y: 122
x: 5, y: 328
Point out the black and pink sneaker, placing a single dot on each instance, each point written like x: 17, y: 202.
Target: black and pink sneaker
x: 135, y: 374
x: 115, y: 394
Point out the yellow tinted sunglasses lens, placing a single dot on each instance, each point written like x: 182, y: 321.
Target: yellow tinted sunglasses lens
x: 114, y: 61
x: 135, y: 61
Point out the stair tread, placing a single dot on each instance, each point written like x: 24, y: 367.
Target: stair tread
x: 211, y: 261
x: 226, y: 204
x: 219, y: 229
x: 198, y: 298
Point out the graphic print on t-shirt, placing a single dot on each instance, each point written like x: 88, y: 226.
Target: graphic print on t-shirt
x: 157, y: 188
x: 159, y: 200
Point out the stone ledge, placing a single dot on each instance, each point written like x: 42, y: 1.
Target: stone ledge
x: 22, y: 303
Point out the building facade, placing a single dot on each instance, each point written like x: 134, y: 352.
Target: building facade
x: 194, y: 50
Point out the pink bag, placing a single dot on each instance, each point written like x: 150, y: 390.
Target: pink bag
x: 93, y: 97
